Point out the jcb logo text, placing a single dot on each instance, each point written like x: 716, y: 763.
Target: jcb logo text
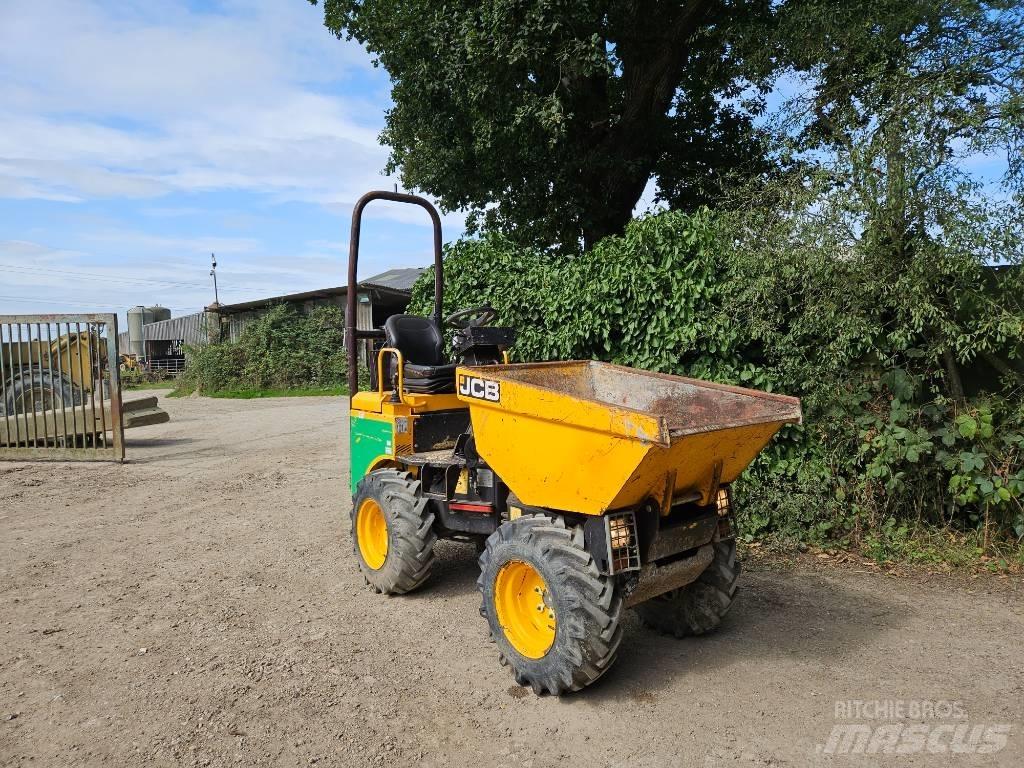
x: 481, y: 389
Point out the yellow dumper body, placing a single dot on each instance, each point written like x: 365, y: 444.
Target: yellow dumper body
x: 590, y: 437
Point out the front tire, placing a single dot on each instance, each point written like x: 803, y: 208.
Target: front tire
x: 700, y: 606
x: 392, y: 531
x: 554, y: 617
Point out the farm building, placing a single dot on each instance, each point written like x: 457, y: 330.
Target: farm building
x: 163, y: 341
x: 380, y: 297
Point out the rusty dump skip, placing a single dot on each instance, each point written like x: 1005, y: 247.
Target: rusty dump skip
x: 590, y: 436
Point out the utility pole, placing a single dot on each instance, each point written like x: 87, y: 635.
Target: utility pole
x: 213, y: 274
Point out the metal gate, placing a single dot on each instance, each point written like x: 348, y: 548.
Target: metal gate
x: 60, y: 393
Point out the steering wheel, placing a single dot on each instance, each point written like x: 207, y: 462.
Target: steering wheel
x: 474, y: 317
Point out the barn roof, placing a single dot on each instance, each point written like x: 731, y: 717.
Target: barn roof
x: 394, y: 281
x: 401, y: 279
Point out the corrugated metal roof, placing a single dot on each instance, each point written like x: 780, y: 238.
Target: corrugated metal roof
x: 189, y: 328
x: 394, y: 280
x: 245, y: 306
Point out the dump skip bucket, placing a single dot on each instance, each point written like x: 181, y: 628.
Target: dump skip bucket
x: 585, y: 436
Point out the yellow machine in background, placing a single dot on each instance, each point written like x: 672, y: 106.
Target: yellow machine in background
x: 130, y: 363
x: 60, y: 396
x: 589, y: 488
x: 41, y: 374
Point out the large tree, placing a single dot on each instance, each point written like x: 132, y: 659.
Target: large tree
x: 546, y: 120
x: 900, y: 99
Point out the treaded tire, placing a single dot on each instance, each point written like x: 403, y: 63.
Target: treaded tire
x: 41, y: 388
x: 700, y: 606
x: 586, y: 604
x: 411, y: 537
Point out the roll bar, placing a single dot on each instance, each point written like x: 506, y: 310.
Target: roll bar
x: 351, y: 334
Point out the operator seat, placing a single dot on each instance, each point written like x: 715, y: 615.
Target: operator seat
x: 421, y: 343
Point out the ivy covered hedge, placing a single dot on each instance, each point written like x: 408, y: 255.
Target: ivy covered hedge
x: 910, y: 373
x: 283, y: 349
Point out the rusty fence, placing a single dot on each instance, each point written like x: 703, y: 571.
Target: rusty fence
x: 60, y: 393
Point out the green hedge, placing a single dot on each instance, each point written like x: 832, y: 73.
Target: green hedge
x: 763, y: 303
x: 283, y: 349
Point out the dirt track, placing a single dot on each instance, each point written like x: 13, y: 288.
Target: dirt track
x: 200, y: 606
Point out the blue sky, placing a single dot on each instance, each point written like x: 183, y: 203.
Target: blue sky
x: 138, y: 137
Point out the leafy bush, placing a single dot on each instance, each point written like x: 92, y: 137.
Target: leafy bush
x: 776, y: 304
x: 283, y: 349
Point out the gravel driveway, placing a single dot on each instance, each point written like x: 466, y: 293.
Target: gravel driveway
x: 200, y: 605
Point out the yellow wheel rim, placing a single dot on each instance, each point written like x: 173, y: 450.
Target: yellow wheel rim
x: 523, y: 604
x: 372, y: 533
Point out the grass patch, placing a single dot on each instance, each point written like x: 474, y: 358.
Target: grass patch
x: 923, y: 546
x: 927, y: 545
x: 253, y: 394
x: 165, y: 384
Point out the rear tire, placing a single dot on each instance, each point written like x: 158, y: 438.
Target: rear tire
x: 39, y: 389
x: 533, y: 568
x: 396, y: 552
x: 700, y: 606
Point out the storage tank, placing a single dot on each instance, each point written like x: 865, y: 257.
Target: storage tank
x: 137, y: 318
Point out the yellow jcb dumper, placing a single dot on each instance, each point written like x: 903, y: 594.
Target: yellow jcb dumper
x: 589, y: 488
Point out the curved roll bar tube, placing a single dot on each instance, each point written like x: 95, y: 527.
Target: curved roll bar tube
x: 351, y: 334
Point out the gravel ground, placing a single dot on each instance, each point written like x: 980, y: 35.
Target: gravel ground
x: 200, y: 605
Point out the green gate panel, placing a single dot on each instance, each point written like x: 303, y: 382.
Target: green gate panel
x: 368, y: 439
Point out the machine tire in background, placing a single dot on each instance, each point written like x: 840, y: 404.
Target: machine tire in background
x: 39, y: 389
x: 554, y: 617
x: 700, y: 606
x: 392, y: 531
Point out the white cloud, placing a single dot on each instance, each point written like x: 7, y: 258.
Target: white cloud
x: 141, y: 268
x: 12, y: 187
x: 147, y: 243
x: 161, y: 104
x: 138, y: 99
x: 73, y: 182
x: 30, y: 252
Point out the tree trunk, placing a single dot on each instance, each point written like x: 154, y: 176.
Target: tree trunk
x: 652, y: 61
x: 953, y: 381
x: 613, y: 217
x: 1002, y: 366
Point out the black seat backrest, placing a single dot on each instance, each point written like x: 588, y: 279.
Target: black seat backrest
x: 418, y: 339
